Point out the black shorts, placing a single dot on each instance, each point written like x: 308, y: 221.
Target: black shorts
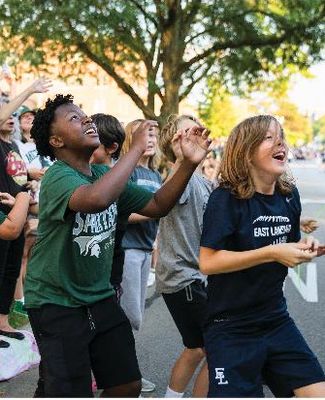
x: 240, y: 360
x: 75, y: 341
x: 188, y: 307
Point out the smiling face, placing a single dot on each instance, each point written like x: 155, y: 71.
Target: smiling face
x: 269, y: 158
x: 73, y: 130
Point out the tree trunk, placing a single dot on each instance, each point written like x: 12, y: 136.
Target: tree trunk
x: 172, y: 45
x: 171, y: 99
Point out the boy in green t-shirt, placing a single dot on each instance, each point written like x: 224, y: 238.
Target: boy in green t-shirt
x: 71, y: 304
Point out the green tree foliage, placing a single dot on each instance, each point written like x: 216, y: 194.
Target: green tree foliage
x: 297, y: 127
x: 165, y: 46
x: 319, y: 128
x: 217, y: 111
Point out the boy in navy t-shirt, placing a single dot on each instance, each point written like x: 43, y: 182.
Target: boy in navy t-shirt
x: 250, y: 238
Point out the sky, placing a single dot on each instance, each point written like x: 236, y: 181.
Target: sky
x: 309, y: 93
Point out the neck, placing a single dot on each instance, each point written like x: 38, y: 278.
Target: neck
x: 263, y: 183
x: 27, y: 137
x: 77, y: 162
x: 5, y: 136
x: 143, y: 162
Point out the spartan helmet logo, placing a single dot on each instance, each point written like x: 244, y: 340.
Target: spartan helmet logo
x: 90, y: 244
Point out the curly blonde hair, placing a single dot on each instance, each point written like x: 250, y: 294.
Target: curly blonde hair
x: 241, y: 144
x: 168, y: 131
x: 154, y: 160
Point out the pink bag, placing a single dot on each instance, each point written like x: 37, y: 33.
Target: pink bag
x: 19, y: 356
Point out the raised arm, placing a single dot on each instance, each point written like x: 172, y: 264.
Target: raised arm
x: 97, y: 196
x: 11, y: 228
x: 194, y: 146
x: 39, y: 86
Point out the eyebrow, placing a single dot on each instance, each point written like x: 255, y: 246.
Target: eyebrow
x: 75, y: 112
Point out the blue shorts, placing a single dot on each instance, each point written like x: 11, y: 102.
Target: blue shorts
x: 241, y: 359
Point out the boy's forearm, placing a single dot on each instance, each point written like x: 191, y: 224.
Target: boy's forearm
x: 224, y: 261
x: 166, y: 197
x: 97, y: 196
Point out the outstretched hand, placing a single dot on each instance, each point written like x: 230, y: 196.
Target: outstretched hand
x: 195, y: 144
x: 41, y: 85
x: 140, y: 136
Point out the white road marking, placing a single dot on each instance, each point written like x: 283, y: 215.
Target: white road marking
x: 312, y: 201
x: 308, y: 289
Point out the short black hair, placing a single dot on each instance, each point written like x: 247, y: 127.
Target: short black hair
x: 110, y: 131
x: 41, y: 128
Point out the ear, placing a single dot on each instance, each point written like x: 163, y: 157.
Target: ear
x: 112, y: 148
x: 56, y: 141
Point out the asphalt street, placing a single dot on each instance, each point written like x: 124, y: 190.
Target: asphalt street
x: 158, y: 342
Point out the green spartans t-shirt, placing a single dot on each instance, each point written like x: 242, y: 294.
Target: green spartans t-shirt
x: 2, y: 217
x: 71, y: 261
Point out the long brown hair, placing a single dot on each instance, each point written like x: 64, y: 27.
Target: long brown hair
x: 129, y: 129
x: 241, y: 144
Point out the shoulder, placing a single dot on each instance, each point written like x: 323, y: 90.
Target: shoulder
x: 59, y: 172
x: 221, y: 193
x: 223, y: 200
x: 293, y: 199
x: 295, y: 193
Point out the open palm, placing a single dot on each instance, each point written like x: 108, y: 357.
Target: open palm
x: 41, y: 85
x: 195, y: 144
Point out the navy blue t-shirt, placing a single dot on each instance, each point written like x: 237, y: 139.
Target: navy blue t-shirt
x: 237, y: 225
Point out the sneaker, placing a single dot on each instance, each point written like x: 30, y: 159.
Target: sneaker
x: 19, y: 308
x: 151, y: 279
x: 147, y: 386
x: 3, y: 344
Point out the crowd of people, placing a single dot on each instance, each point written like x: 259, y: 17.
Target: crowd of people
x: 84, y: 217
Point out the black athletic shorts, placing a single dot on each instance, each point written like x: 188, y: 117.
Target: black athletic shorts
x: 75, y: 341
x: 241, y: 359
x: 188, y: 307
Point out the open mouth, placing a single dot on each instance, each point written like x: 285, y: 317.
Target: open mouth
x: 91, y: 131
x: 280, y: 156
